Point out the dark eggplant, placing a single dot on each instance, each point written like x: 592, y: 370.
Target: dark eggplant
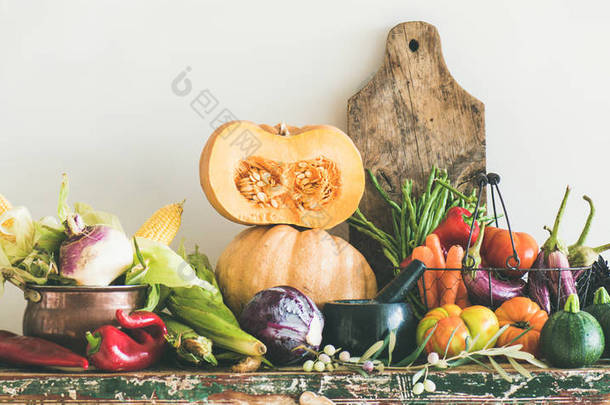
x: 537, y: 284
x: 477, y: 283
x: 561, y: 283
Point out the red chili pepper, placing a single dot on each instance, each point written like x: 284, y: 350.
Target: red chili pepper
x: 454, y: 229
x: 111, y: 349
x: 34, y: 351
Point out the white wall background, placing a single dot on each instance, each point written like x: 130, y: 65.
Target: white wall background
x: 85, y: 89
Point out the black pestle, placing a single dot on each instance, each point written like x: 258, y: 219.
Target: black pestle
x: 397, y: 289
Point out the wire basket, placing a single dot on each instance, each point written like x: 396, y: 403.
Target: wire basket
x: 497, y: 290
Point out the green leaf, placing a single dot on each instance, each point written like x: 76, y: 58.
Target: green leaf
x: 63, y: 209
x: 371, y: 350
x: 163, y: 266
x: 391, y: 345
x: 202, y: 266
x: 519, y: 336
x: 407, y: 361
x: 49, y: 234
x: 479, y: 362
x: 536, y: 362
x: 495, y: 337
x: 520, y: 369
x: 154, y: 295
x: 23, y: 230
x: 417, y: 376
x: 182, y: 249
x: 93, y: 217
x: 449, y: 343
x: 500, y: 370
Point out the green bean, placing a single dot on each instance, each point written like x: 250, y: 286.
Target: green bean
x: 382, y: 241
x: 391, y: 257
x: 395, y: 228
x: 426, y: 213
x: 440, y: 211
x: 381, y: 191
x: 373, y: 229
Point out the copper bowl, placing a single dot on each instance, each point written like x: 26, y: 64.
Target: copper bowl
x: 63, y: 314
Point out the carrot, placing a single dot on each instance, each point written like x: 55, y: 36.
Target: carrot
x: 429, y: 297
x: 451, y: 279
x: 462, y: 300
x: 434, y: 243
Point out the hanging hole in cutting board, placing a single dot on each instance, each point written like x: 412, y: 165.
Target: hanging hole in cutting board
x: 413, y: 45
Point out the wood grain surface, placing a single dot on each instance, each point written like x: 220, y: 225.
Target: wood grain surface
x: 412, y: 115
x: 468, y: 384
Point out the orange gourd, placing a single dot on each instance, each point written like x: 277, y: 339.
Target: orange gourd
x: 322, y: 266
x: 521, y: 313
x: 257, y: 175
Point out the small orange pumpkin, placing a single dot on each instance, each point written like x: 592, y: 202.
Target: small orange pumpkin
x: 521, y: 313
x: 322, y: 266
x: 257, y: 175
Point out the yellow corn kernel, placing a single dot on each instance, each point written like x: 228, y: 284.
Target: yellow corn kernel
x: 5, y: 205
x: 163, y: 225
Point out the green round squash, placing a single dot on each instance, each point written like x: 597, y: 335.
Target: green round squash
x: 600, y: 309
x: 572, y: 338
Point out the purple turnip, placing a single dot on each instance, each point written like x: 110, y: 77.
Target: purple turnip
x: 93, y: 255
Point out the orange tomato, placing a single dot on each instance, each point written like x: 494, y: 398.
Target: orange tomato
x: 521, y: 313
x: 468, y: 323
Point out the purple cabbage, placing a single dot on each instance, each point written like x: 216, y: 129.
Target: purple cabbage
x: 283, y: 318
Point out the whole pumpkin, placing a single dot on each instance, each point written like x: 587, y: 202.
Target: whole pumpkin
x: 521, y: 313
x: 322, y: 266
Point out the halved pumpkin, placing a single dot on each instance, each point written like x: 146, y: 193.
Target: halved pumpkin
x: 256, y: 174
x: 322, y: 266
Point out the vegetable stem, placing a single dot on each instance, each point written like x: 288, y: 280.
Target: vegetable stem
x: 553, y: 243
x: 585, y: 229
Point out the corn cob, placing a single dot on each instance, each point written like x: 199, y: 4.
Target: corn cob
x: 163, y: 225
x: 5, y: 205
x: 189, y: 346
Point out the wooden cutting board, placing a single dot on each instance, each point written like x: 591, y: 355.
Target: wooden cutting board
x: 410, y: 116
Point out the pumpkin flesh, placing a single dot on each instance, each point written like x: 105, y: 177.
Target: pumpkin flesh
x: 311, y: 176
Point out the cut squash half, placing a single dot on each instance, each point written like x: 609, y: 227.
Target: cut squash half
x: 257, y: 174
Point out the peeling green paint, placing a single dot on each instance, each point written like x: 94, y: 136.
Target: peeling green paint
x: 466, y: 384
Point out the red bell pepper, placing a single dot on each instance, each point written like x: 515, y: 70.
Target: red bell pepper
x: 112, y: 349
x: 454, y: 229
x: 34, y: 351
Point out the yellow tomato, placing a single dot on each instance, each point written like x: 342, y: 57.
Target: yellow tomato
x: 458, y: 325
